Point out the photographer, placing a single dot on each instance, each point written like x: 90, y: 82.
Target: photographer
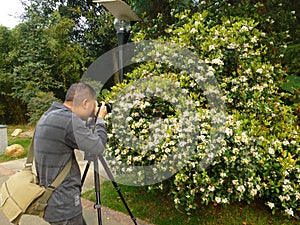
x: 59, y: 131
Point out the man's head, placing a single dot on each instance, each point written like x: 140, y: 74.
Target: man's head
x: 81, y: 98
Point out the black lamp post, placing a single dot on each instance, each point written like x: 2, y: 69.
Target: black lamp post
x: 124, y: 15
x: 123, y: 28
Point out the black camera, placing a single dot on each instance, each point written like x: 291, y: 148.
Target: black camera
x: 108, y: 107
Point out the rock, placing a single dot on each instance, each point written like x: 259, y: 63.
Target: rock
x: 14, y: 150
x: 16, y: 132
x: 27, y: 134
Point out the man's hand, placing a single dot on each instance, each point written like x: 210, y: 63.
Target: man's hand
x: 102, y: 111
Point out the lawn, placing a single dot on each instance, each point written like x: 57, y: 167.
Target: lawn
x: 158, y: 208
x: 25, y: 142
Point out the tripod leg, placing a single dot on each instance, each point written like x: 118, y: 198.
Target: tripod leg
x: 108, y: 172
x: 85, y: 172
x: 97, y: 190
x: 97, y: 205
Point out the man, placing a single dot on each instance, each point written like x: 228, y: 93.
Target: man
x: 59, y: 131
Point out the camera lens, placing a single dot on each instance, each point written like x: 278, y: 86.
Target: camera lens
x: 108, y: 107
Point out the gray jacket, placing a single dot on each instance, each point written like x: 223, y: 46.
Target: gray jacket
x: 58, y: 133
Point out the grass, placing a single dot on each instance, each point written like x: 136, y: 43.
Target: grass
x: 25, y: 142
x: 158, y: 208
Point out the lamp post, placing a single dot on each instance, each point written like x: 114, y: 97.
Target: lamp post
x: 123, y: 16
x: 123, y: 28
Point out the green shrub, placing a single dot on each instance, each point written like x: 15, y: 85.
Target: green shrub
x: 258, y: 146
x: 39, y: 104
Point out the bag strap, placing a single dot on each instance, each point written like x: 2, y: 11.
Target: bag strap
x: 30, y: 155
x: 42, y: 201
x: 60, y: 178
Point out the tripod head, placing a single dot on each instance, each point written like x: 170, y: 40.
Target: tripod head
x: 90, y: 157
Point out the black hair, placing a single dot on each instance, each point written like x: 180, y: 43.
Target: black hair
x: 80, y: 91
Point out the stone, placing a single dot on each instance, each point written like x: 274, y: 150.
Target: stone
x: 27, y: 134
x: 14, y: 150
x: 16, y: 132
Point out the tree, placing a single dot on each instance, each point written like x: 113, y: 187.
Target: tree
x: 11, y: 109
x: 44, y: 59
x: 92, y: 29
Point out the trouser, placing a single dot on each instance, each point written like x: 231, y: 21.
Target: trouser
x: 77, y: 220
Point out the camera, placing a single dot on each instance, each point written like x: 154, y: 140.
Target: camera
x: 108, y: 107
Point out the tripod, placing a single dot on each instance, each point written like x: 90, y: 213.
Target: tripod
x: 97, y: 205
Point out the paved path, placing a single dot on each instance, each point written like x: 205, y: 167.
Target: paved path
x: 109, y: 217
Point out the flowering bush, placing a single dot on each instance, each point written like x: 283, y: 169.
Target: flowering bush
x: 258, y: 146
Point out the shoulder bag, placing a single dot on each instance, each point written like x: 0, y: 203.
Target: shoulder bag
x: 22, y: 194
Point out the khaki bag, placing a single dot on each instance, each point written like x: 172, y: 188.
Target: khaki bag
x: 21, y: 193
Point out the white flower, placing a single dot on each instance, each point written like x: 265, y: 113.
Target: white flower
x: 223, y: 174
x: 271, y: 151
x: 281, y: 198
x: 235, y: 150
x: 218, y: 199
x: 245, y: 138
x: 245, y: 161
x: 217, y: 62
x: 211, y: 47
x: 190, y: 61
x: 232, y: 46
x: 235, y: 182
x: 271, y: 205
x: 197, y: 22
x: 260, y: 70
x: 253, y: 192
x: 176, y: 200
x: 285, y: 142
x: 243, y: 79
x: 193, y: 30
x: 169, y: 30
x: 244, y: 29
x: 241, y: 188
x: 286, y: 181
x: 228, y: 132
x: 285, y: 173
x: 254, y: 39
x: 211, y: 188
x: 224, y: 200
x: 289, y: 212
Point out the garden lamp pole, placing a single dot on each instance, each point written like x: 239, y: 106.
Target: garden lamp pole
x: 123, y: 16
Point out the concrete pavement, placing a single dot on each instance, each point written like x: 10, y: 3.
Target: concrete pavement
x: 109, y: 217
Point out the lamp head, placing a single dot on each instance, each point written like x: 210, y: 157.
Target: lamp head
x: 119, y: 9
x: 122, y: 25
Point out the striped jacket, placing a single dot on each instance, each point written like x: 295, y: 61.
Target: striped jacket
x: 58, y: 133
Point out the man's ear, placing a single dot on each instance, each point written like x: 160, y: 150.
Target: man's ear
x: 84, y: 103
